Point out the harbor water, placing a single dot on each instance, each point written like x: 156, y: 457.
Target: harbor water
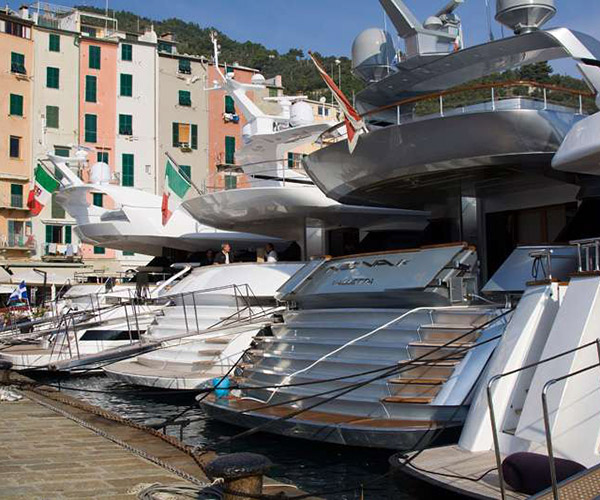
x: 328, y: 471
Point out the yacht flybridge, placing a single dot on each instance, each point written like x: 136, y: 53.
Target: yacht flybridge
x: 437, y: 136
x: 133, y: 222
x: 279, y: 200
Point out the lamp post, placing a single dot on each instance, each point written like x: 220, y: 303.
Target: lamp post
x: 339, y: 65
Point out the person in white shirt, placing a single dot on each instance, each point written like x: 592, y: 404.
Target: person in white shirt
x: 271, y: 254
x: 224, y: 256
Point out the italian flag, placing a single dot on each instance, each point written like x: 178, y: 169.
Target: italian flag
x: 176, y: 187
x: 39, y: 196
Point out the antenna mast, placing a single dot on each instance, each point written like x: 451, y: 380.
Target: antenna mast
x: 489, y: 19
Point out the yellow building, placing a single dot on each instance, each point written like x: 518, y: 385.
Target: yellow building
x: 16, y: 66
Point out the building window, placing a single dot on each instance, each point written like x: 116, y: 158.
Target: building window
x: 102, y: 156
x: 294, y: 160
x: 125, y: 125
x: 52, y: 116
x: 15, y: 147
x: 273, y: 92
x: 229, y: 150
x: 185, y: 66
x: 17, y: 63
x: 185, y: 135
x: 323, y: 111
x: 128, y: 170
x: 16, y: 233
x: 91, y: 88
x: 99, y: 250
x: 230, y: 181
x: 229, y: 105
x: 186, y: 170
x: 68, y: 235
x: 16, y: 195
x: 61, y: 151
x: 52, y: 78
x: 185, y: 98
x: 91, y: 128
x: 16, y: 105
x: 126, y: 85
x: 17, y: 29
x: 127, y: 253
x: 58, y: 212
x: 94, y: 55
x: 97, y: 199
x: 53, y: 234
x: 54, y: 42
x: 165, y: 47
x: 126, y: 52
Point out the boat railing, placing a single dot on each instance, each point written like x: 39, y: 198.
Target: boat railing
x: 256, y: 174
x: 493, y: 420
x: 588, y: 254
x: 462, y: 100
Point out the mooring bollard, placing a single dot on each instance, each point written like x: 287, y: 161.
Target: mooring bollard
x: 242, y: 474
x: 5, y: 367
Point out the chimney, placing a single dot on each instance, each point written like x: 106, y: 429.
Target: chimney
x: 167, y: 37
x: 24, y: 11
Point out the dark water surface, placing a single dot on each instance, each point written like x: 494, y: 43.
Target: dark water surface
x: 315, y: 467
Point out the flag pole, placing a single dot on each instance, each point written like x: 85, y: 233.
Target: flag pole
x: 184, y: 175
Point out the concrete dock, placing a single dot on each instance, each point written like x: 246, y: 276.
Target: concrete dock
x: 53, y: 446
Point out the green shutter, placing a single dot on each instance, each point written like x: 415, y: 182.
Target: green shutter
x: 17, y: 63
x: 16, y: 105
x: 54, y: 43
x: 126, y: 52
x: 99, y: 251
x: 127, y: 177
x: 185, y: 66
x: 97, y: 199
x: 186, y: 170
x: 52, y: 116
x: 94, y: 56
x: 229, y: 104
x: 60, y: 151
x: 194, y: 136
x: 290, y: 160
x: 52, y: 78
x: 58, y: 212
x: 68, y: 235
x: 16, y: 195
x: 230, y: 182
x: 102, y: 156
x: 91, y: 128
x: 185, y: 98
x: 126, y: 85
x: 49, y: 233
x: 125, y: 125
x: 175, y: 135
x: 91, y: 88
x: 14, y: 146
x: 229, y: 150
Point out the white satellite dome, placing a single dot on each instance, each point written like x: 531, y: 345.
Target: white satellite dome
x: 301, y: 114
x: 258, y: 79
x: 100, y: 173
x: 373, y: 53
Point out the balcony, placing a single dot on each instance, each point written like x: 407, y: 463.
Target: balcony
x: 13, y: 202
x: 16, y: 243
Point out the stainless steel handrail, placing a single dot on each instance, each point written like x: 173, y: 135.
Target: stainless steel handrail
x: 490, y: 401
x: 589, y: 263
x: 547, y: 430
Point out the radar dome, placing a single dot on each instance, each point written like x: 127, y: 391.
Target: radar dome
x: 301, y: 114
x: 100, y: 173
x: 524, y: 16
x: 258, y: 79
x: 373, y: 53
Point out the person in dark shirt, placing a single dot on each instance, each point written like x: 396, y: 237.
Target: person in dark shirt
x: 209, y: 258
x: 224, y: 256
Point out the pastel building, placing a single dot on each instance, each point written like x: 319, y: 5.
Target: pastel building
x: 16, y: 93
x: 55, y: 125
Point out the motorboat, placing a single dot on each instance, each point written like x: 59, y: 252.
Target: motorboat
x: 212, y: 318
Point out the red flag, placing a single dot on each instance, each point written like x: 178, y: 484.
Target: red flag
x: 355, y: 126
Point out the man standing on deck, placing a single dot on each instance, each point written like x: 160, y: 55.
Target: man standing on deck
x: 271, y: 254
x: 224, y: 256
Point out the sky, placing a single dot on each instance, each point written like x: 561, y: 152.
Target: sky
x: 327, y: 26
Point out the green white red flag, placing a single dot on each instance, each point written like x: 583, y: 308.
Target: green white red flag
x: 355, y: 126
x: 176, y: 187
x: 40, y: 195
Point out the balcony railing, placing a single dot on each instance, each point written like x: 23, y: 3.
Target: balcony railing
x: 485, y: 97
